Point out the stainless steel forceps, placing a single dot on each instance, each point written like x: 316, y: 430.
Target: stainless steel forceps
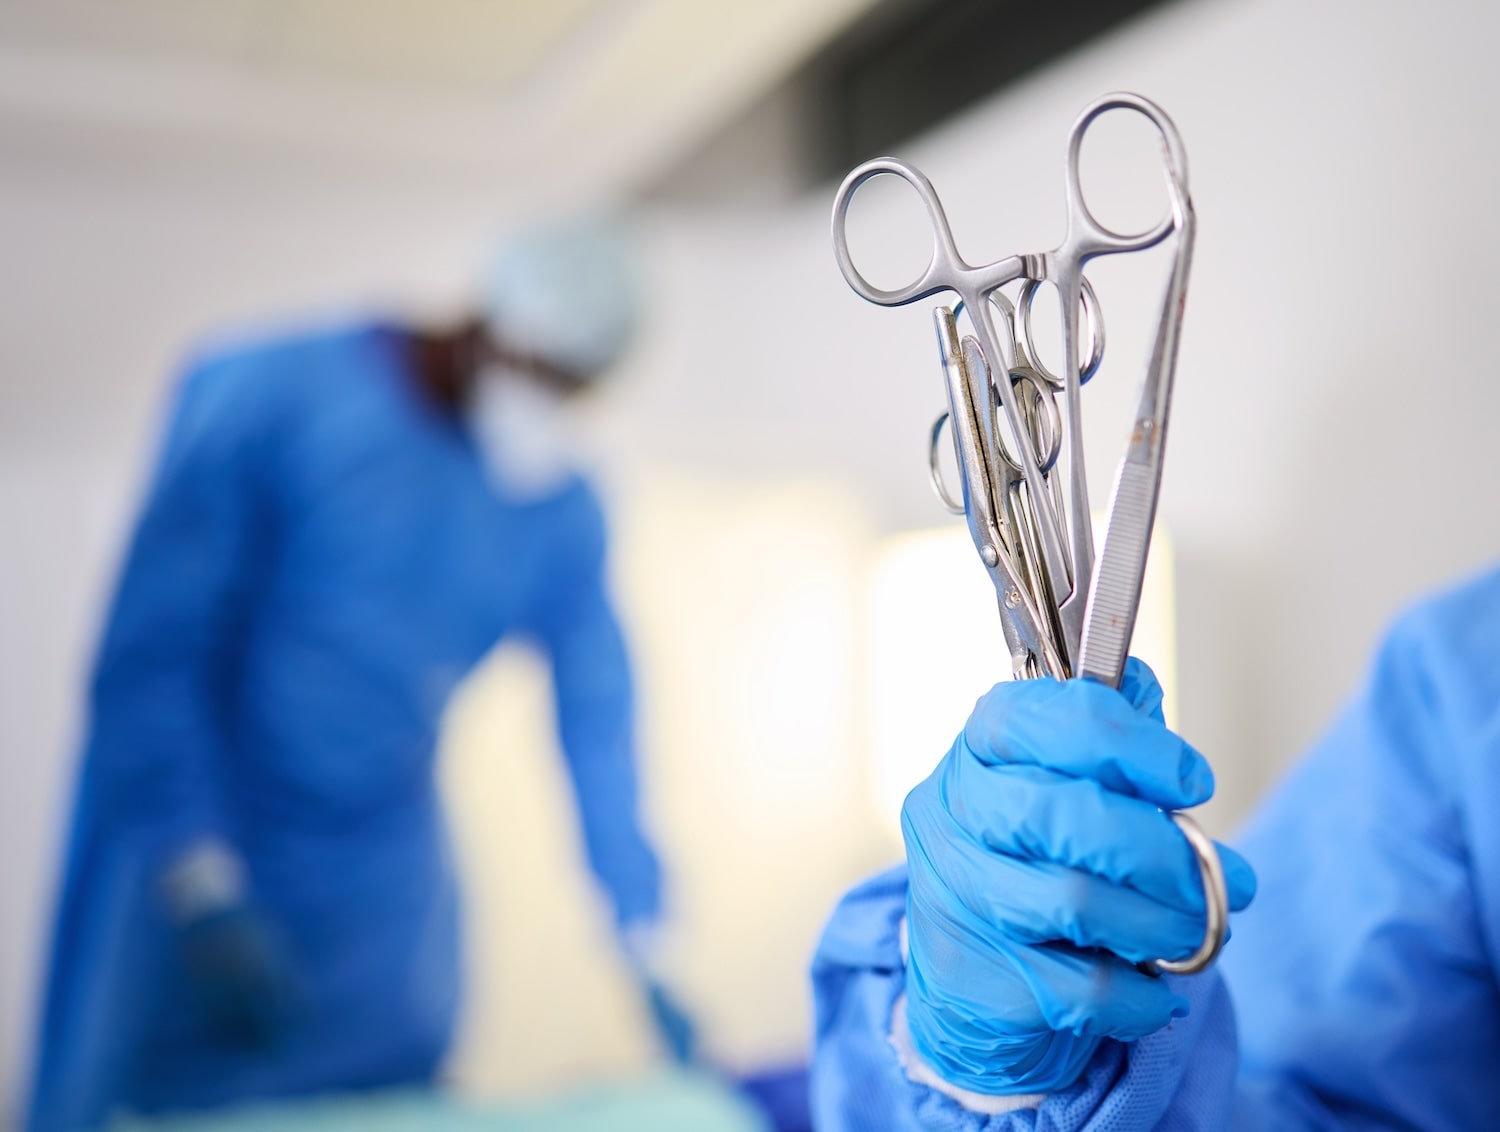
x: 1063, y: 615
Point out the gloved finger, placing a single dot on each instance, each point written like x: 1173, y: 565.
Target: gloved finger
x: 1037, y: 814
x: 1239, y: 877
x: 1041, y: 902
x: 975, y: 982
x: 244, y: 976
x: 1139, y: 685
x: 242, y: 1014
x: 1047, y: 903
x: 1085, y: 730
x: 1100, y: 994
x: 673, y: 1024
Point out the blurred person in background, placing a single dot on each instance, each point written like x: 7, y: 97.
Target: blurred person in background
x: 992, y: 983
x: 259, y: 898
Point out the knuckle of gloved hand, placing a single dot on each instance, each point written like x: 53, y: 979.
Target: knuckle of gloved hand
x: 1075, y: 914
x: 1101, y: 1013
x: 920, y: 817
x: 1084, y: 1005
x: 921, y: 794
x: 1060, y: 910
x: 1004, y: 806
x: 1002, y: 715
x: 1100, y: 990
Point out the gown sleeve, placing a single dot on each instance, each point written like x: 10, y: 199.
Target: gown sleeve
x: 1364, y: 972
x: 596, y: 714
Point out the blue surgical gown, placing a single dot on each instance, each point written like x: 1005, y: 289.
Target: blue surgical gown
x: 1364, y: 975
x: 319, y: 561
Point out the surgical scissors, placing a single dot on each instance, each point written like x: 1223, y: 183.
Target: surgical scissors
x: 987, y: 485
x: 1057, y: 612
x: 1003, y: 525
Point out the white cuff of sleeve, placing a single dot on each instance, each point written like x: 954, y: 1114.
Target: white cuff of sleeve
x: 648, y: 947
x: 921, y: 1073
x: 206, y: 877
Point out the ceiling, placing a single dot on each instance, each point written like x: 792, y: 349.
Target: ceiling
x: 558, y: 93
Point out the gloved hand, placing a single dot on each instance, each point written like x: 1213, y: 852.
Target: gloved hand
x: 242, y: 975
x: 645, y: 950
x: 239, y: 968
x: 673, y: 1025
x: 1042, y: 869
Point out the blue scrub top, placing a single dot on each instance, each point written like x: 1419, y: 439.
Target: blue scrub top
x: 319, y: 561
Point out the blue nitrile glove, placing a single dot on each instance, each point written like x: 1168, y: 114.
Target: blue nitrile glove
x: 672, y: 1022
x: 242, y: 976
x: 645, y: 948
x: 1042, y: 869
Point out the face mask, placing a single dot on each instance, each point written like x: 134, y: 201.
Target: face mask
x: 521, y: 430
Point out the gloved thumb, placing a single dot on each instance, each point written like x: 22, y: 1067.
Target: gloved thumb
x: 1140, y: 687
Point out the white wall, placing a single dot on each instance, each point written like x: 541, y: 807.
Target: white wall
x: 1333, y: 430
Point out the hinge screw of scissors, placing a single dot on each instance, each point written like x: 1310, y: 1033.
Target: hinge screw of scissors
x: 989, y: 555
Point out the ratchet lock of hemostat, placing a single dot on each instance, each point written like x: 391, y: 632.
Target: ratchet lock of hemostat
x: 1063, y: 612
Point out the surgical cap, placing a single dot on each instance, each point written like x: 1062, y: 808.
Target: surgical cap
x: 565, y: 293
